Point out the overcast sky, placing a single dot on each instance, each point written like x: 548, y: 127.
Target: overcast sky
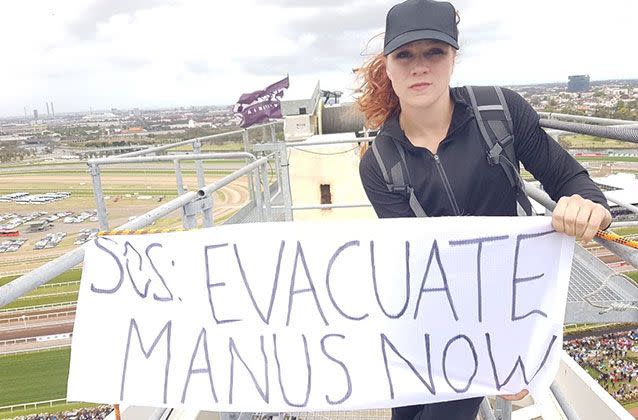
x: 160, y: 53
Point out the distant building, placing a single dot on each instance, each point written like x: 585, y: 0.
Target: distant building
x: 35, y: 114
x: 302, y: 118
x: 578, y: 83
x: 134, y: 130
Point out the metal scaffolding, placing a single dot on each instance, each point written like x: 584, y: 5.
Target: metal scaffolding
x: 271, y: 201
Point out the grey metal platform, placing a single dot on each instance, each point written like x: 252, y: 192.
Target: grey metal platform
x: 588, y: 274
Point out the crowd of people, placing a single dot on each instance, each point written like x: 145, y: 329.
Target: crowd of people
x: 94, y: 413
x: 611, y: 358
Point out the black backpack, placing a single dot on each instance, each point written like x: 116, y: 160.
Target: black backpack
x: 495, y: 123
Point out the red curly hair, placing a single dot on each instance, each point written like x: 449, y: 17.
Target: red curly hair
x: 378, y: 100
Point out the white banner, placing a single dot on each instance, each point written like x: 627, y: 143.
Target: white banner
x: 282, y: 317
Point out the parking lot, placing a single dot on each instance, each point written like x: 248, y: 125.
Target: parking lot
x: 11, y: 245
x: 26, y: 198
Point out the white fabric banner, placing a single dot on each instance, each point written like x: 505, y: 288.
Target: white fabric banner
x: 279, y: 317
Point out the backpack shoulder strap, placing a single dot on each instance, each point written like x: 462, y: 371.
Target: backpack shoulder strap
x: 390, y: 157
x: 495, y: 123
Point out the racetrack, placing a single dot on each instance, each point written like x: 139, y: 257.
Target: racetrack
x: 19, y: 330
x: 120, y: 209
x: 36, y: 329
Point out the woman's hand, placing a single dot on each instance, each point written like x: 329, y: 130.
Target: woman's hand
x: 579, y: 217
x: 515, y: 397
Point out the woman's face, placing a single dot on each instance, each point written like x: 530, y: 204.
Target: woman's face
x: 420, y: 71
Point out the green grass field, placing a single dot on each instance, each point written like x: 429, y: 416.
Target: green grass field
x: 33, y: 298
x: 40, y: 291
x: 590, y: 142
x: 72, y: 275
x: 31, y: 377
x: 630, y: 405
x: 606, y: 159
x: 631, y: 230
x: 38, y: 301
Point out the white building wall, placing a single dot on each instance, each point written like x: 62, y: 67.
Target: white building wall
x: 336, y: 165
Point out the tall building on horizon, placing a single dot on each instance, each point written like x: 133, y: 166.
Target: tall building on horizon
x: 578, y: 83
x: 35, y: 114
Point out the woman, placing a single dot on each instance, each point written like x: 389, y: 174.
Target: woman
x: 406, y: 91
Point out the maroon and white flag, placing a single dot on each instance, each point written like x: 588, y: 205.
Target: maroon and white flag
x: 261, y: 105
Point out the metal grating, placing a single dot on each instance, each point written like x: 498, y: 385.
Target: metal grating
x: 589, y: 273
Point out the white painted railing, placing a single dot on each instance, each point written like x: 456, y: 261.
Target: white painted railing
x: 38, y: 404
x: 47, y: 315
x: 47, y: 306
x: 70, y: 292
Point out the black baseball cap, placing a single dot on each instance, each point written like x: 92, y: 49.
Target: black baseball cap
x: 414, y: 20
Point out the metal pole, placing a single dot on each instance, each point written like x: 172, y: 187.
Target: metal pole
x: 180, y: 190
x: 585, y: 119
x: 100, y: 205
x: 486, y: 411
x: 178, y: 177
x: 626, y: 223
x: 622, y: 133
x: 285, y: 182
x: 503, y: 410
x: 139, y: 159
x: 277, y: 173
x: 244, y: 136
x: 623, y: 204
x: 207, y: 211
x: 259, y: 192
x: 270, y: 146
x: 567, y: 408
x: 266, y: 190
x: 199, y: 167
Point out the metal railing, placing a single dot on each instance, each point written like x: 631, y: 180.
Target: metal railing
x: 26, y: 406
x: 36, y: 307
x: 35, y: 278
x: 257, y: 170
x: 47, y: 315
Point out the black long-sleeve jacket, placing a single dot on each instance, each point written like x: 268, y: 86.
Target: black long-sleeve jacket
x: 458, y: 179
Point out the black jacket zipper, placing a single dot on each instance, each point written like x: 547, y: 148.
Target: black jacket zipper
x: 446, y: 184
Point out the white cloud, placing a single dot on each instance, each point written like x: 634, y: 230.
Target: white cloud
x: 125, y: 53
